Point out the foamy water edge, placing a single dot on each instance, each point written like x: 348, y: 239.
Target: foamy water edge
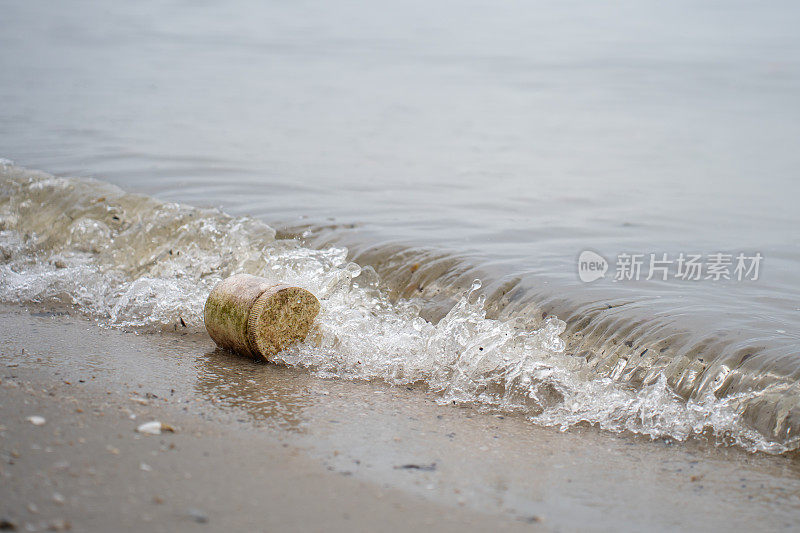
x: 134, y: 262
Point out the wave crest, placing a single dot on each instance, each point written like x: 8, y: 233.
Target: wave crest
x: 133, y: 261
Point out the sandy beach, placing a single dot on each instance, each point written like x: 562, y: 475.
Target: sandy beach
x: 263, y: 448
x: 87, y: 469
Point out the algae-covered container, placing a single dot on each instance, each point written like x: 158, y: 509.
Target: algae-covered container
x: 257, y: 317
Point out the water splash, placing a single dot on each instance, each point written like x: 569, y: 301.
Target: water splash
x: 135, y: 262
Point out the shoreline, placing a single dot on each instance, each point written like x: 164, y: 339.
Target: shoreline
x: 92, y: 243
x: 264, y: 447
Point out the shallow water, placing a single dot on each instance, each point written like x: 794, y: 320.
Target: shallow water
x: 444, y: 143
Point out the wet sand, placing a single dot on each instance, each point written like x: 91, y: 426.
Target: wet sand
x: 266, y: 448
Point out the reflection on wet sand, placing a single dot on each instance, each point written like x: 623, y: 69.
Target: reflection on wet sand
x: 268, y: 394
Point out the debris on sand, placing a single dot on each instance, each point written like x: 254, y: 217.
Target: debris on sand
x: 59, y: 525
x: 425, y: 468
x: 154, y: 428
x: 198, y: 515
x: 36, y: 420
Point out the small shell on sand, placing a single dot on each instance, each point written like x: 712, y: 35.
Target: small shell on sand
x: 36, y: 420
x: 154, y: 428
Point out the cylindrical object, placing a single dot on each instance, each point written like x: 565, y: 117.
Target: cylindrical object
x: 255, y: 317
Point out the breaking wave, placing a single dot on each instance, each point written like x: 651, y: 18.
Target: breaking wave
x: 135, y: 262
